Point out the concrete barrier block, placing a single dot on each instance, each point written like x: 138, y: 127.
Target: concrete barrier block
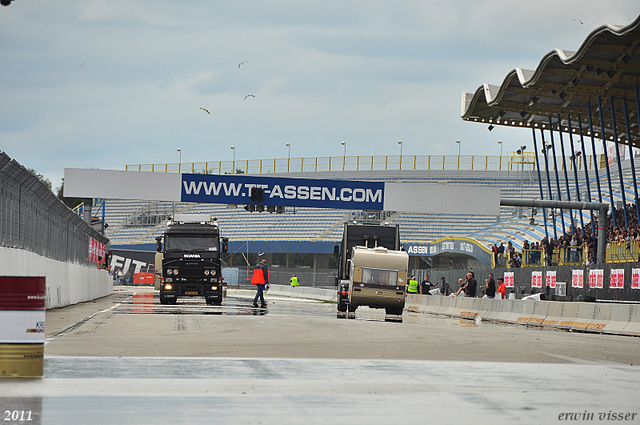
x: 447, y: 306
x: 569, y: 315
x: 516, y: 310
x: 466, y: 308
x: 491, y: 308
x: 602, y: 312
x: 585, y: 319
x: 527, y: 315
x: 431, y: 303
x: 619, y: 319
x: 456, y: 307
x: 554, y: 316
x: 505, y: 307
x: 633, y: 327
x: 540, y: 310
x: 412, y: 302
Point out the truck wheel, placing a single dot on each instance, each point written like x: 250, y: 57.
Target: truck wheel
x: 393, y: 314
x: 214, y: 301
x: 342, y: 306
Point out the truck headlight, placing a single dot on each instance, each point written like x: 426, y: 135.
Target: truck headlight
x: 175, y: 272
x: 214, y: 288
x: 168, y: 287
x: 206, y: 272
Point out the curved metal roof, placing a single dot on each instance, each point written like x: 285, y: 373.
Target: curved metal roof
x: 569, y: 85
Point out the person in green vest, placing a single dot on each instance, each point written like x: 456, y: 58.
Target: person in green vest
x: 412, y: 288
x: 294, y: 281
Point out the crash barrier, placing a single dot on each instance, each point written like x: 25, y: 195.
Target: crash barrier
x: 22, y: 314
x: 610, y: 318
x: 40, y: 236
x: 67, y: 283
x: 304, y: 292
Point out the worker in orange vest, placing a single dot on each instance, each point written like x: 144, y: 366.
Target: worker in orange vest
x: 260, y: 278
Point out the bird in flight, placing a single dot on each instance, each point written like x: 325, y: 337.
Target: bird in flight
x: 206, y: 111
x: 241, y: 63
x: 582, y: 21
x: 249, y: 95
x: 81, y: 65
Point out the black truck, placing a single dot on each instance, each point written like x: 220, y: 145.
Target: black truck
x: 191, y: 263
x: 372, y: 270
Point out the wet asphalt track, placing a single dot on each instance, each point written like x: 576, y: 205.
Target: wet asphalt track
x: 129, y: 360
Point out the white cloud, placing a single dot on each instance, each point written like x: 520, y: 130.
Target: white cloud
x: 368, y: 72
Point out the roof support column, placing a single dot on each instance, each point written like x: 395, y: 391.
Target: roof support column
x: 544, y: 210
x: 555, y: 166
x: 593, y: 153
x: 615, y: 144
x: 606, y: 161
x: 586, y: 172
x: 566, y: 175
x: 545, y: 151
x: 633, y: 164
x: 575, y: 166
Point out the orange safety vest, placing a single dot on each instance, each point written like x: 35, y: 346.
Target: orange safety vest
x: 258, y: 276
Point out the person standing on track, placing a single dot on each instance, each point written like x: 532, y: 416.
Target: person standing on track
x: 260, y: 278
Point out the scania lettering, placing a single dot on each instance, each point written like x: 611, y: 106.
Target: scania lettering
x: 372, y: 270
x: 190, y: 262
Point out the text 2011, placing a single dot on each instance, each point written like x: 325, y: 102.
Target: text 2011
x: 17, y: 415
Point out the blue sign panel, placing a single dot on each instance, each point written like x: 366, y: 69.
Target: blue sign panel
x: 279, y: 191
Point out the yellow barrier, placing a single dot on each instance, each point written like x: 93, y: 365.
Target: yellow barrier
x: 623, y: 252
x: 511, y: 162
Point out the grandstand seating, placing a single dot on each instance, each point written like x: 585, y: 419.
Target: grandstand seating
x: 316, y: 224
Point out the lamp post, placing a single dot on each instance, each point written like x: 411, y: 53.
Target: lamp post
x: 400, y: 143
x: 233, y: 163
x: 500, y: 159
x: 344, y: 154
x: 288, y: 145
x: 179, y: 163
x: 458, y: 142
x: 521, y: 153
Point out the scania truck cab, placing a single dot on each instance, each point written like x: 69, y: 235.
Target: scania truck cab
x: 191, y: 263
x: 373, y: 270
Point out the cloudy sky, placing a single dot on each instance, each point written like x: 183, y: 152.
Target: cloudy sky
x: 105, y: 83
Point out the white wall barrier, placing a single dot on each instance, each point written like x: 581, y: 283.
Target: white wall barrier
x: 620, y: 319
x: 304, y: 292
x: 66, y: 283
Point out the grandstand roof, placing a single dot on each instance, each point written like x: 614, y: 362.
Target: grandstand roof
x: 569, y: 85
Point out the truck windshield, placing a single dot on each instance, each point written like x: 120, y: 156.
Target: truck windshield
x: 191, y: 243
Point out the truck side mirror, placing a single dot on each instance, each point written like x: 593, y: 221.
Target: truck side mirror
x: 159, y: 244
x: 336, y: 251
x: 225, y: 244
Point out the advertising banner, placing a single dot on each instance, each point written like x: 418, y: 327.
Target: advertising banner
x: 577, y: 278
x: 635, y: 278
x: 616, y: 280
x: 536, y: 279
x: 508, y: 279
x: 96, y: 250
x: 551, y: 279
x: 278, y: 191
x: 264, y: 190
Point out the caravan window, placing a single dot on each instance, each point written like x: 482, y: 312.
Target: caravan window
x: 380, y: 276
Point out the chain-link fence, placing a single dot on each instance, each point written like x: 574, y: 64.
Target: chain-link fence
x: 32, y: 218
